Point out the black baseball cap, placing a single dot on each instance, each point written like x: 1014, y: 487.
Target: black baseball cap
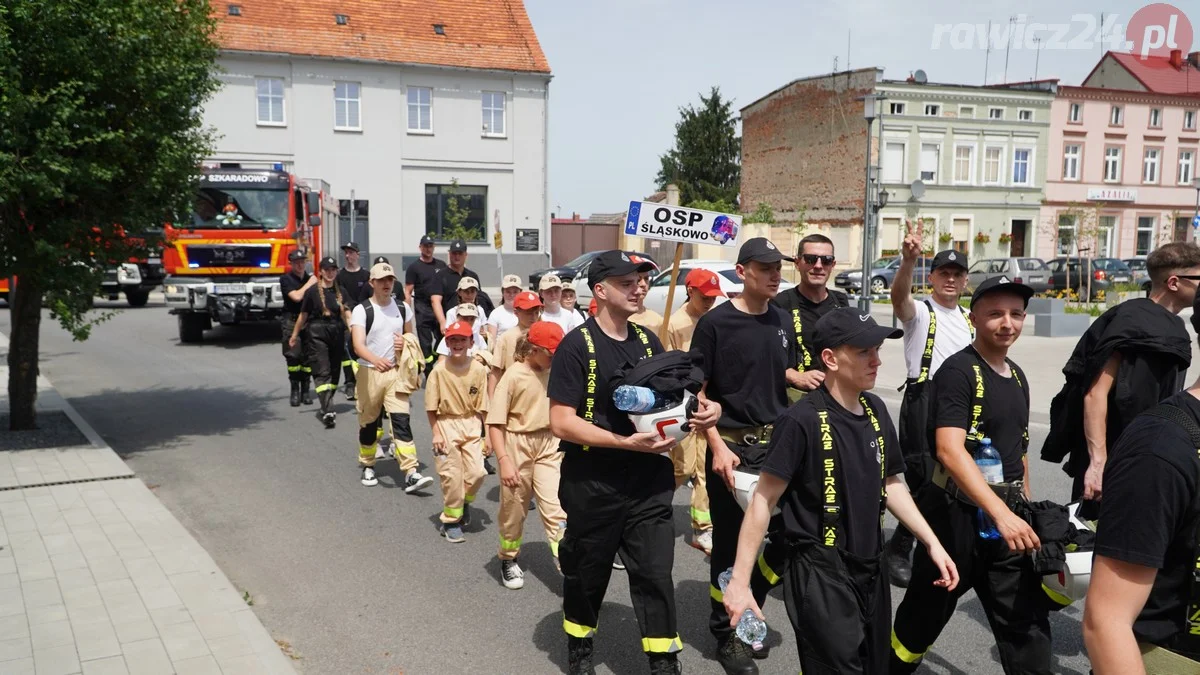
x: 760, y: 249
x: 949, y: 258
x: 426, y: 240
x: 616, y: 264
x: 458, y: 246
x: 380, y: 259
x: 1001, y: 284
x: 295, y: 255
x: 351, y: 246
x: 847, y: 326
x: 328, y: 262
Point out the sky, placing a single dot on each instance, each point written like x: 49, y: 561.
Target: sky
x: 623, y: 68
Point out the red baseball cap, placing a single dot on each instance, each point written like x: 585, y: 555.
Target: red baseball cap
x: 546, y: 334
x: 704, y: 281
x: 460, y: 329
x: 527, y: 300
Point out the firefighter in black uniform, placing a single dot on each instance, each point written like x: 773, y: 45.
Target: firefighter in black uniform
x: 806, y: 303
x: 294, y: 285
x: 746, y: 350
x: 833, y: 466
x: 353, y: 279
x: 325, y: 314
x: 980, y: 393
x: 616, y: 484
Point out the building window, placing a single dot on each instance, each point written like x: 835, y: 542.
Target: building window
x: 893, y: 162
x: 1075, y: 113
x: 930, y: 157
x: 1155, y: 118
x: 420, y: 109
x: 1021, y: 169
x: 493, y: 113
x: 993, y: 159
x: 1187, y: 166
x: 1183, y: 224
x: 439, y: 200
x: 960, y: 233
x: 1067, y: 231
x: 932, y: 110
x: 1150, y: 165
x: 270, y: 100
x: 1071, y: 162
x: 1116, y: 116
x: 967, y: 111
x: 1145, y: 235
x: 1112, y: 165
x: 359, y: 218
x: 1189, y: 120
x: 1104, y: 237
x: 1025, y: 115
x: 964, y: 164
x: 995, y: 113
x: 347, y: 104
x: 896, y: 108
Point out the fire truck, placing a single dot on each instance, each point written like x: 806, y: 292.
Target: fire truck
x: 224, y: 265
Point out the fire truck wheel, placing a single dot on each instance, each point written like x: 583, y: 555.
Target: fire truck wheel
x: 137, y: 297
x: 192, y: 327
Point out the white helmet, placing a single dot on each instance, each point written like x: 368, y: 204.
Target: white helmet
x: 670, y: 422
x: 1072, y: 582
x: 744, y: 484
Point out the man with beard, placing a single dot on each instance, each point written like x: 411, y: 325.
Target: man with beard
x: 806, y: 303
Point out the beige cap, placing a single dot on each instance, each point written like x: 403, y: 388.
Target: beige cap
x: 467, y: 282
x: 511, y: 281
x: 467, y: 309
x: 382, y: 271
x: 569, y: 285
x: 550, y: 281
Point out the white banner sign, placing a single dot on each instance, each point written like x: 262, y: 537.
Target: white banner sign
x: 653, y: 220
x: 1111, y: 195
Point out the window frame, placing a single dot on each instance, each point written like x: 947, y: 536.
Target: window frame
x: 439, y: 225
x: 971, y: 165
x: 1150, y: 119
x: 1000, y: 164
x: 1157, y: 164
x: 937, y: 109
x: 1023, y: 111
x: 1074, y: 112
x: 1186, y: 115
x: 409, y: 104
x: 1076, y: 175
x: 937, y: 169
x: 282, y: 101
x: 1119, y: 163
x: 490, y: 132
x: 903, y: 160
x: 1117, y: 112
x: 1191, y: 165
x: 338, y: 100
x: 1028, y: 182
x: 1138, y: 229
x: 892, y: 108
x: 995, y: 109
x: 1058, y: 240
x: 963, y: 107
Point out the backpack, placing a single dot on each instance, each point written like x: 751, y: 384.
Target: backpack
x: 369, y: 310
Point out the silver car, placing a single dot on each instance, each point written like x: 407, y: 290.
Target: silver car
x: 1141, y: 274
x: 1032, y: 272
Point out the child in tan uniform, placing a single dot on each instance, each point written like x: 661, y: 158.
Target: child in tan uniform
x: 455, y: 400
x: 519, y: 428
x: 703, y: 288
x: 529, y: 309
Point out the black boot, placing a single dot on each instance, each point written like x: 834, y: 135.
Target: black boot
x: 899, y: 554
x: 305, y: 394
x: 295, y: 399
x: 579, y: 656
x: 665, y: 664
x: 735, y: 657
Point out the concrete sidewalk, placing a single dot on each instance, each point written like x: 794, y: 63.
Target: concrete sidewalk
x: 97, y: 576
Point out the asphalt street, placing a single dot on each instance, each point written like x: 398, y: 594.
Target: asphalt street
x: 357, y: 580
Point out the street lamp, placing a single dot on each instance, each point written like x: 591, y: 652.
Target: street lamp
x: 869, y: 114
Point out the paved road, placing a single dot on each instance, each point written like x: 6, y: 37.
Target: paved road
x: 355, y: 579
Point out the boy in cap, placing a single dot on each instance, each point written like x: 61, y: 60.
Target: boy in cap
x: 519, y: 429
x: 468, y: 314
x: 646, y: 317
x: 529, y: 309
x: 468, y: 292
x: 833, y: 466
x: 294, y: 284
x: 569, y: 300
x: 504, y: 317
x: 551, y: 288
x: 325, y: 313
x: 389, y: 371
x: 456, y: 402
x: 703, y: 289
x: 353, y: 279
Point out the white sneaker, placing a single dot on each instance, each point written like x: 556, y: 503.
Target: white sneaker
x: 368, y: 477
x: 511, y: 574
x: 702, y: 539
x: 415, y: 481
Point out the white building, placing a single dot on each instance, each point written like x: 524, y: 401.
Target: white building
x: 391, y: 103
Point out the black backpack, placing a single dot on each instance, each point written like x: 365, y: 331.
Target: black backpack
x: 369, y: 310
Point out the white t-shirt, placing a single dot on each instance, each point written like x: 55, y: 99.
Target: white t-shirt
x: 567, y: 318
x: 480, y: 320
x: 502, y: 319
x: 386, y: 322
x: 953, y: 335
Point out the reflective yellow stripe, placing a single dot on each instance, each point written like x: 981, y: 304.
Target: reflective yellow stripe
x: 716, y: 594
x: 902, y: 652
x: 294, y: 369
x: 347, y: 362
x: 379, y: 433
x: 553, y: 547
x: 468, y: 498
x: 326, y: 387
x: 306, y: 369
x: 366, y: 451
x: 662, y: 645
x: 577, y: 630
x: 354, y: 367
x: 406, y: 449
x: 1056, y: 596
x: 429, y: 359
x: 453, y: 513
x: 767, y: 571
x: 701, y: 516
x: 509, y: 545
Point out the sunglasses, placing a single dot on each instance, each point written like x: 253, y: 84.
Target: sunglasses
x: 812, y: 259
x: 1193, y: 277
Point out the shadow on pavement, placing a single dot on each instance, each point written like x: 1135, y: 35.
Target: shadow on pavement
x: 158, y: 419
x: 239, y: 336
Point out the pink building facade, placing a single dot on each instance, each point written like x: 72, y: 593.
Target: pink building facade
x: 1121, y: 173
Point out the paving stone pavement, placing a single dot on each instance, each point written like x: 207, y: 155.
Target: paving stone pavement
x: 98, y: 577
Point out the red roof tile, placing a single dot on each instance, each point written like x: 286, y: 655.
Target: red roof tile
x: 485, y: 34
x: 1158, y: 75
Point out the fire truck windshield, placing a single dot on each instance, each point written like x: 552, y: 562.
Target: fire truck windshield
x: 240, y: 209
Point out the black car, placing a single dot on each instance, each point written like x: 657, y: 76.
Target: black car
x: 575, y: 268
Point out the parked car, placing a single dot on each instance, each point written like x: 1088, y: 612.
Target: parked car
x: 576, y: 269
x: 1139, y: 272
x: 1067, y: 274
x: 656, y: 297
x: 882, y: 275
x: 1032, y: 272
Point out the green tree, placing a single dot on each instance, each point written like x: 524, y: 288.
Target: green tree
x: 763, y: 213
x: 100, y: 129
x: 705, y: 161
x: 456, y: 217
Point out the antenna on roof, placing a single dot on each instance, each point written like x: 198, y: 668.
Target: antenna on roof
x: 987, y: 55
x: 847, y: 50
x: 1008, y: 40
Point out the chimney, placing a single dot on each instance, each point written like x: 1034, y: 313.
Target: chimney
x: 672, y: 194
x: 1194, y: 59
x: 1177, y: 59
x: 574, y: 216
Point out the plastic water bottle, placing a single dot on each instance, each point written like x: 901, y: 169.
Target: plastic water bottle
x: 750, y: 629
x: 632, y: 399
x: 992, y: 468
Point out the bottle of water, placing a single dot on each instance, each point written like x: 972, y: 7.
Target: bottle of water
x: 992, y: 468
x: 750, y: 629
x: 632, y: 399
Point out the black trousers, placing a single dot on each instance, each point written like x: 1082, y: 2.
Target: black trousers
x: 619, y: 501
x: 297, y: 365
x: 727, y: 518
x: 428, y: 335
x: 1007, y: 585
x: 840, y: 608
x: 348, y: 375
x: 914, y: 444
x: 326, y: 344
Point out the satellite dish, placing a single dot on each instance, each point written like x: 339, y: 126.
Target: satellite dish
x: 917, y: 188
x: 920, y: 77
